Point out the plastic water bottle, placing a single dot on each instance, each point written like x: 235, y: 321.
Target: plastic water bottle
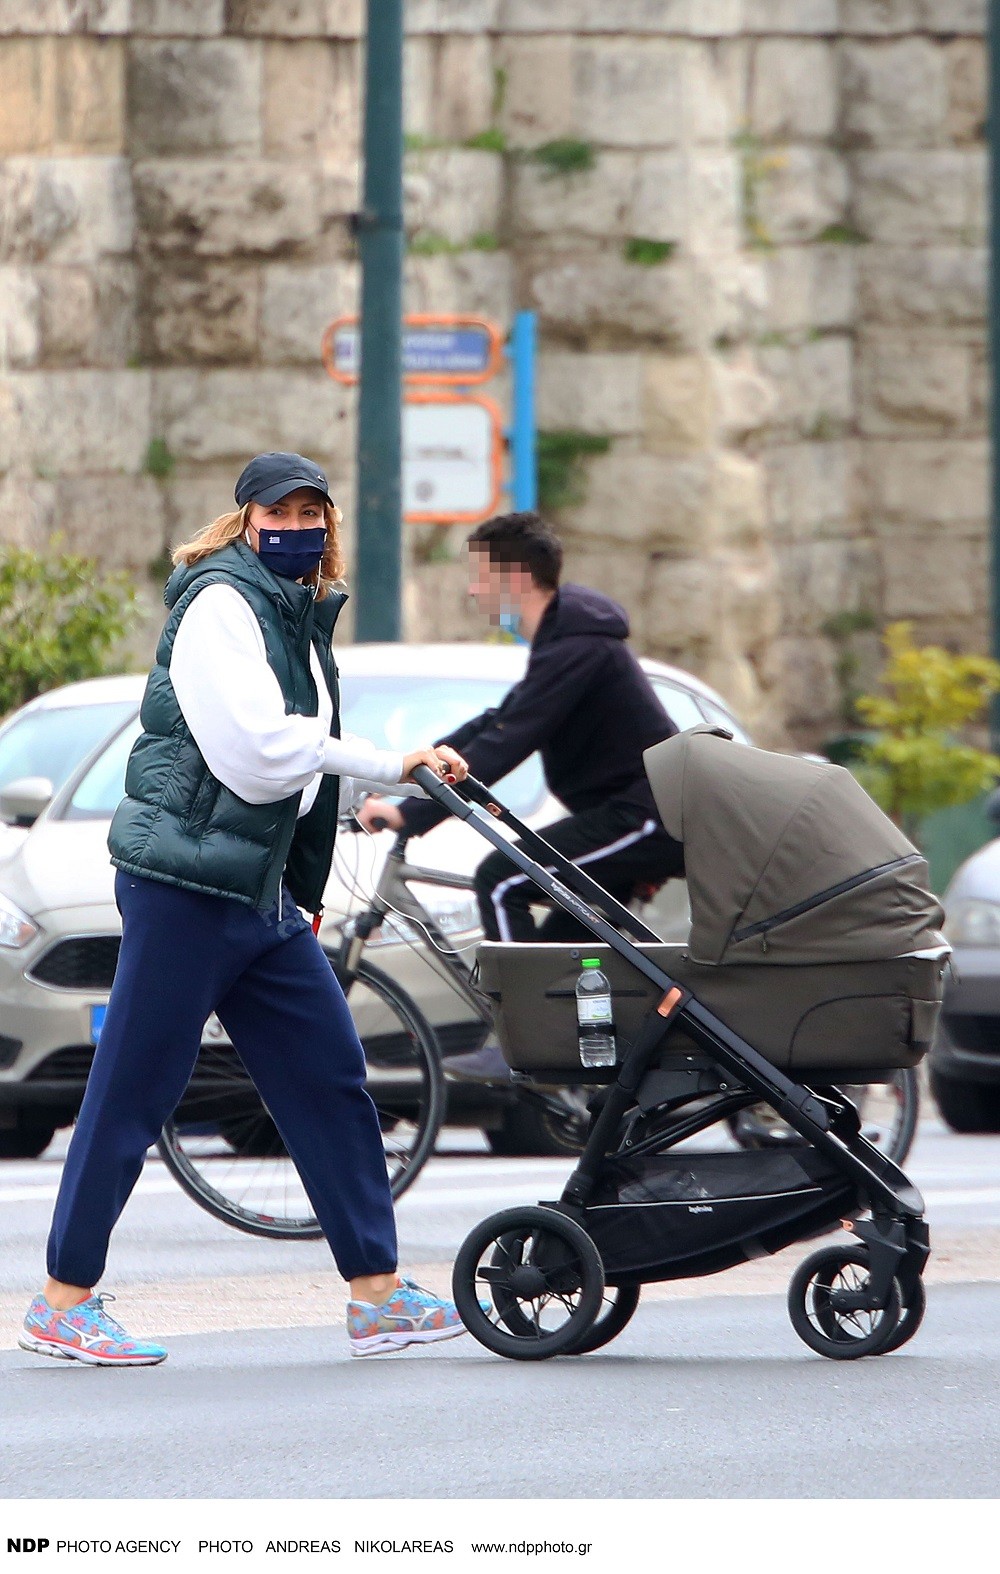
x: 594, y: 1016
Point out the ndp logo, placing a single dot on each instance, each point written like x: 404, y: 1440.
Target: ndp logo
x: 27, y: 1543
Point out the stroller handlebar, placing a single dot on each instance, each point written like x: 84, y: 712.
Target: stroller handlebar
x: 443, y: 793
x: 469, y: 798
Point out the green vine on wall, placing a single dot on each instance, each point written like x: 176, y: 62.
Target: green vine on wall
x: 756, y: 164
x: 841, y: 629
x: 562, y: 475
x: 647, y: 253
x: 565, y: 156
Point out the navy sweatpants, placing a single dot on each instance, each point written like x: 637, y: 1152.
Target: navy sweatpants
x: 184, y: 955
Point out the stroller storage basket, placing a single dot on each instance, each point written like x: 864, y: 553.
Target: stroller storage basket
x: 844, y: 1017
x: 678, y: 1215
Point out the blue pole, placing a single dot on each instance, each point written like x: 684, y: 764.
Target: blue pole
x: 524, y: 479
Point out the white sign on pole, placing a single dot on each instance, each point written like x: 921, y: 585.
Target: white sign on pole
x: 450, y: 459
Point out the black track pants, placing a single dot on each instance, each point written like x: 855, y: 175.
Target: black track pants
x: 620, y: 846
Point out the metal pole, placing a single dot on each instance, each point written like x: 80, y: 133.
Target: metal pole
x: 380, y: 234
x: 993, y: 25
x: 525, y: 470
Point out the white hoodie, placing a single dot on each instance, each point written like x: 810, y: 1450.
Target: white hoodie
x: 232, y: 702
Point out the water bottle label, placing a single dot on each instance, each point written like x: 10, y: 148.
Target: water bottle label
x: 594, y: 1010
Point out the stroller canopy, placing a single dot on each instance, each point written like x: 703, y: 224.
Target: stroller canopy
x: 788, y: 860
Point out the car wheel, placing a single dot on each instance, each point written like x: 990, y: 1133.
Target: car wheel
x: 552, y: 1125
x: 966, y: 1106
x: 27, y: 1139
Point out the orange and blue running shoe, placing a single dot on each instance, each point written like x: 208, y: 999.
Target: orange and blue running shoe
x: 411, y: 1315
x: 84, y: 1333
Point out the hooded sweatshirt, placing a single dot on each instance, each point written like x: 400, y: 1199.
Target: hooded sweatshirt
x: 584, y: 703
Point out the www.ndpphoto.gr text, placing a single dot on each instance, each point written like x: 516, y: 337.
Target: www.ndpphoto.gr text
x: 532, y: 1548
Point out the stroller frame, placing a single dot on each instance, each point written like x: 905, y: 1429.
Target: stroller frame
x: 732, y: 1076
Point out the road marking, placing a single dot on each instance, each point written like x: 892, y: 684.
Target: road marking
x: 424, y: 1199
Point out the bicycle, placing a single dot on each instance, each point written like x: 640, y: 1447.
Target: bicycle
x: 221, y: 1144
x: 223, y: 1148
x: 889, y: 1111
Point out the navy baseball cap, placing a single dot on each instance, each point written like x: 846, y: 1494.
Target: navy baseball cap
x: 270, y: 477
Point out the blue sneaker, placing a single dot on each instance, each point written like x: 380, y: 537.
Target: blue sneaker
x: 84, y: 1333
x: 411, y: 1315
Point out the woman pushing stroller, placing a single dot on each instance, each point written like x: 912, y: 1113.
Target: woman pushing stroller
x: 226, y: 830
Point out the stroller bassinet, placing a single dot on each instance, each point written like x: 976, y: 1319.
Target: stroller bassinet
x: 790, y: 866
x: 815, y: 954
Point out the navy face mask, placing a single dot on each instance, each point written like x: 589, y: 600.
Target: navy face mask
x: 291, y: 553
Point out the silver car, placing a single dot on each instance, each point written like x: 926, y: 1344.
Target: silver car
x: 62, y: 764
x: 964, y: 1061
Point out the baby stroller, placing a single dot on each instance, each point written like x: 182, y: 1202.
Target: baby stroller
x: 814, y: 959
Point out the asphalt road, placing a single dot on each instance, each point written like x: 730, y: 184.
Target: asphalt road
x: 712, y: 1396
x: 163, y: 1235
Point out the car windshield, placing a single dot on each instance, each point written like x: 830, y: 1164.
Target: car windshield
x: 395, y: 713
x: 409, y: 712
x: 679, y: 704
x: 52, y: 742
x: 721, y: 718
x: 101, y: 790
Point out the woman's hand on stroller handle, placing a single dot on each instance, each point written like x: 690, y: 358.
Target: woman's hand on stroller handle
x: 438, y: 765
x: 445, y: 762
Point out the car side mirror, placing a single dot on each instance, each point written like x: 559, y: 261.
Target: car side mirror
x: 991, y: 808
x: 22, y: 801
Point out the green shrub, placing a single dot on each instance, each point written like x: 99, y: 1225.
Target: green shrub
x: 60, y: 619
x: 916, y: 765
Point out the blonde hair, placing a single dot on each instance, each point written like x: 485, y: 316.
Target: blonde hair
x: 232, y: 527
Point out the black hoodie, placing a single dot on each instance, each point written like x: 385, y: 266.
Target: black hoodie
x: 584, y: 703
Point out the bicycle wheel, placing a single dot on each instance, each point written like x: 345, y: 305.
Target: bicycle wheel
x: 225, y: 1151
x: 888, y: 1112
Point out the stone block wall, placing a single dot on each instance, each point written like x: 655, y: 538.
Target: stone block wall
x: 753, y: 231
x: 873, y: 335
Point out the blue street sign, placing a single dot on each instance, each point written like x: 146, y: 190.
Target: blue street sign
x: 450, y: 353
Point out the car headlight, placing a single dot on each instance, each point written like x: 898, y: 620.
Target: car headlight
x: 973, y: 923
x: 16, y: 928
x: 454, y: 913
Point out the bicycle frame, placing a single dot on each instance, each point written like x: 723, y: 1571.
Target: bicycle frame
x: 393, y: 898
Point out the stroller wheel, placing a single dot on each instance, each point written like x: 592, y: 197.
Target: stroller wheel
x: 620, y: 1302
x: 544, y: 1279
x: 617, y: 1309
x: 826, y: 1304
x: 914, y: 1307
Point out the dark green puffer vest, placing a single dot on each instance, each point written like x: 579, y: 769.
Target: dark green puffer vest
x: 177, y: 822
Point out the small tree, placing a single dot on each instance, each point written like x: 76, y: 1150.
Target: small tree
x: 60, y: 617
x: 915, y: 765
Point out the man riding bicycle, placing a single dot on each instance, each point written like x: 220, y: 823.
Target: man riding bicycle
x: 587, y: 706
